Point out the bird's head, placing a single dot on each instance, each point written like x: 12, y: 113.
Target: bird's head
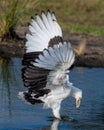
x: 77, y: 94
x: 78, y: 98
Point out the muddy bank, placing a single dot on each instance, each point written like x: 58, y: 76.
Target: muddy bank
x: 92, y: 57
x: 11, y: 49
x: 94, y: 52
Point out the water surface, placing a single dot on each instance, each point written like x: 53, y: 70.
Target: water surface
x: 17, y: 115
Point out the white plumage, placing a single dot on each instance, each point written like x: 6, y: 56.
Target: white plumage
x: 48, y: 61
x: 42, y: 30
x: 60, y: 55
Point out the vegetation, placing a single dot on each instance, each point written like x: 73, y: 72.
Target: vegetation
x: 11, y: 12
x: 78, y: 15
x: 73, y: 15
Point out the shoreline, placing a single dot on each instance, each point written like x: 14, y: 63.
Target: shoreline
x: 92, y: 57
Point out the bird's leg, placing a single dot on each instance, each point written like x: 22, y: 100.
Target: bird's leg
x: 56, y: 111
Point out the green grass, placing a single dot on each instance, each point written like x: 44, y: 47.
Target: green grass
x: 12, y: 12
x: 10, y: 20
x: 83, y: 29
x: 73, y: 15
x: 78, y: 15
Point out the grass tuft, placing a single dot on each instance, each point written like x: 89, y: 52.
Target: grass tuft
x: 11, y: 13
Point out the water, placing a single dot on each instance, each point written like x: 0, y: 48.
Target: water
x: 16, y: 115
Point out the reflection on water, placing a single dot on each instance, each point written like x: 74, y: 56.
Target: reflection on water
x: 8, y: 79
x: 54, y: 125
x: 15, y: 114
x: 6, y: 75
x: 6, y: 71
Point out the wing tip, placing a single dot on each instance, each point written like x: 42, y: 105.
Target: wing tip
x: 42, y: 12
x: 48, y: 11
x: 32, y: 17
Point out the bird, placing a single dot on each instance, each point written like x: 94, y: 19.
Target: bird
x: 47, y: 63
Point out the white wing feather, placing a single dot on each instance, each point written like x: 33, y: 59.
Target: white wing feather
x: 42, y: 29
x: 60, y: 55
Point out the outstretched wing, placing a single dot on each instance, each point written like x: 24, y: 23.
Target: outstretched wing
x: 42, y: 30
x: 47, y: 57
x: 58, y: 59
x: 48, y: 71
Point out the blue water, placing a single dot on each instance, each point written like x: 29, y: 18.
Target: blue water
x: 17, y: 115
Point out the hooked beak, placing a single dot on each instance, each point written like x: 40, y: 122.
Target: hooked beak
x: 78, y: 102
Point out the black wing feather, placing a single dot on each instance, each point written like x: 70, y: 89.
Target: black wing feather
x: 34, y: 78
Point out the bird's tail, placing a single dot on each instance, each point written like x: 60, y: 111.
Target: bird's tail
x: 29, y: 98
